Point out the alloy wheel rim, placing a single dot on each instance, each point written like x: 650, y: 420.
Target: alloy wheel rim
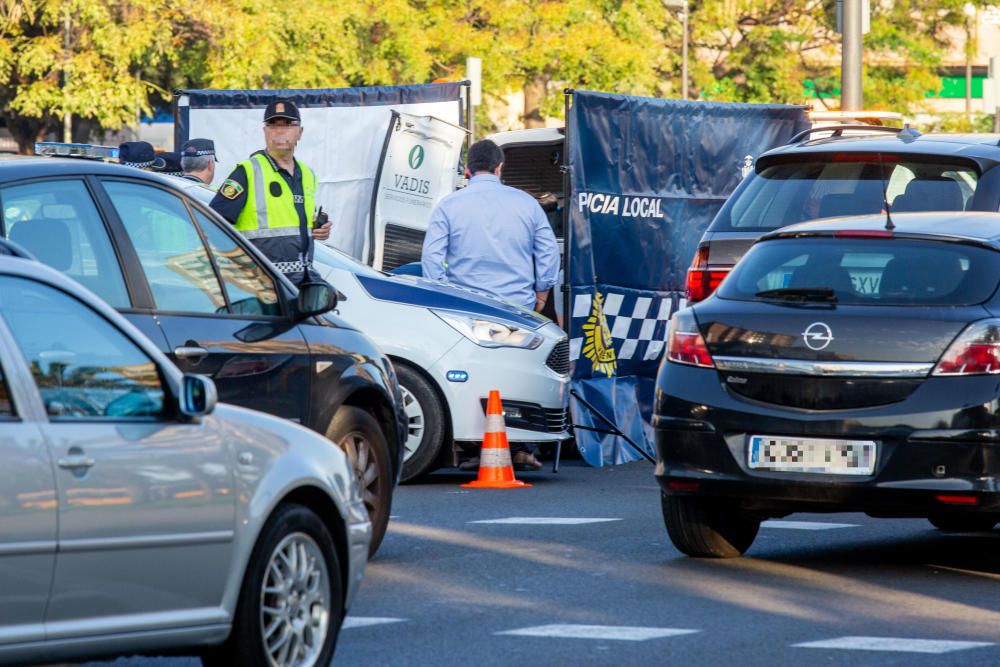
x: 295, y: 603
x: 415, y: 423
x: 362, y: 457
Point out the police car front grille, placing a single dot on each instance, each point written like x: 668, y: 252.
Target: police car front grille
x: 533, y: 417
x: 402, y: 246
x: 559, y: 357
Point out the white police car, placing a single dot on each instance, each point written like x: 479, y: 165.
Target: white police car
x: 450, y: 346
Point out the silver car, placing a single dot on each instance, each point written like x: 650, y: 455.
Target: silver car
x: 136, y: 515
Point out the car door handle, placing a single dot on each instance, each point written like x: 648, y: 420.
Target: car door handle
x: 192, y: 353
x: 76, y: 461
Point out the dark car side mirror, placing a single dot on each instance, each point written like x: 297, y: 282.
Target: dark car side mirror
x: 198, y: 395
x: 315, y: 298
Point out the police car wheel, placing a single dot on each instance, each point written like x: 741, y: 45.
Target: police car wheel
x: 425, y: 417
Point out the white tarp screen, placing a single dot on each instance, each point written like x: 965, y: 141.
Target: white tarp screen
x: 341, y: 144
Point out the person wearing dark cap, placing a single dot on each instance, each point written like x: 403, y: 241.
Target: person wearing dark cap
x: 271, y: 197
x: 198, y: 160
x: 139, y: 154
x: 171, y: 164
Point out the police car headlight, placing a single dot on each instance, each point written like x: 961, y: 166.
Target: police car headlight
x: 489, y: 332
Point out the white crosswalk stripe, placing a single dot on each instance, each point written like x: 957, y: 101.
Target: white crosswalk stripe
x: 546, y: 520
x: 616, y: 632
x: 366, y: 621
x: 897, y: 644
x: 806, y: 525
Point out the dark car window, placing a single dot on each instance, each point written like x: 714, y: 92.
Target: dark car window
x: 84, y: 367
x: 250, y: 290
x: 57, y: 221
x: 784, y: 194
x: 868, y: 271
x: 172, y: 254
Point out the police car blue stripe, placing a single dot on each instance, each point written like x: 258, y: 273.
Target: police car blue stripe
x: 441, y: 297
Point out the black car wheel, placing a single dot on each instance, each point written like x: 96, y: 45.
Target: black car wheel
x: 425, y: 422
x: 291, y: 603
x: 358, y: 434
x: 705, y: 528
x: 964, y: 523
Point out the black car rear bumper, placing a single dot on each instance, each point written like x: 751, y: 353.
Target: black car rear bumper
x: 938, y: 451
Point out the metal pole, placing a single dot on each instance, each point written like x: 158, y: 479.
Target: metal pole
x: 67, y: 116
x: 684, y: 53
x: 850, y: 75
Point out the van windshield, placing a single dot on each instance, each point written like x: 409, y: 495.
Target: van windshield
x: 844, y: 185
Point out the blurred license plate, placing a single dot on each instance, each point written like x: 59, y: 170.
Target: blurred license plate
x: 832, y: 457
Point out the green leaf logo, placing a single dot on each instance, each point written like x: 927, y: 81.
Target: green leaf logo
x: 416, y: 157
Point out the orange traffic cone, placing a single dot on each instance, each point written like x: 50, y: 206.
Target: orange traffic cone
x: 496, y: 471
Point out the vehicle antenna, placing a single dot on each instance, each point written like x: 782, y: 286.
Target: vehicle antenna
x: 885, y: 197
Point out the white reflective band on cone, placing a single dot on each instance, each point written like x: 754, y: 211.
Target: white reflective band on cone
x: 494, y: 457
x: 494, y: 424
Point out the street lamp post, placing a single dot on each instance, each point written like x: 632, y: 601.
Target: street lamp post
x: 682, y: 5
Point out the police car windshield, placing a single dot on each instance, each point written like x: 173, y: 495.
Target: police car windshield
x: 843, y: 185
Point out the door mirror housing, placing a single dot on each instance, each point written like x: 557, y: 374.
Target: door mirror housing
x: 315, y: 298
x: 198, y: 395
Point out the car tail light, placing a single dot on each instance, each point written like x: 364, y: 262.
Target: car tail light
x: 685, y: 344
x: 956, y: 499
x: 863, y: 234
x: 976, y: 351
x: 675, y: 485
x: 703, y: 279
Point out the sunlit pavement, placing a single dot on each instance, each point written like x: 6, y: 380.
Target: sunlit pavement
x: 579, y: 571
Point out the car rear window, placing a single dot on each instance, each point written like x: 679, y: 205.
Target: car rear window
x: 865, y: 271
x: 839, y: 185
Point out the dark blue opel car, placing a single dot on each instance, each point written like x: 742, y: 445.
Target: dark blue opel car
x: 848, y: 364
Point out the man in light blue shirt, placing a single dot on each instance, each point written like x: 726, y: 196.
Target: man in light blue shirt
x: 492, y: 237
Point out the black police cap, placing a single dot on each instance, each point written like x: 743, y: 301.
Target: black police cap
x: 139, y: 154
x: 282, y: 109
x: 198, y: 148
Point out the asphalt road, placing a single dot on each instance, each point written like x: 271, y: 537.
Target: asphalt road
x: 443, y: 590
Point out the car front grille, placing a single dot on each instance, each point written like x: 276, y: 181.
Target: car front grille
x: 534, y: 417
x: 559, y: 357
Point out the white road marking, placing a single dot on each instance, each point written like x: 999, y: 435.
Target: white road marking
x: 546, y: 520
x: 806, y: 525
x: 621, y: 632
x: 899, y: 644
x: 365, y: 621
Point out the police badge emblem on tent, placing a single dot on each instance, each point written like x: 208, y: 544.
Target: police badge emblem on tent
x: 598, y: 347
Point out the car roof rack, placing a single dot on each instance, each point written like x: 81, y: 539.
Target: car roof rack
x: 11, y: 248
x: 838, y: 130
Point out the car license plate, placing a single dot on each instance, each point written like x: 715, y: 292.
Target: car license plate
x: 816, y: 455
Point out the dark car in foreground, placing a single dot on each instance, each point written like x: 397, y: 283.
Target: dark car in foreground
x: 836, y: 171
x: 843, y: 365
x: 212, y: 303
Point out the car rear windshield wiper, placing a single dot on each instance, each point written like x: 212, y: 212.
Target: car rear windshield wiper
x: 819, y: 294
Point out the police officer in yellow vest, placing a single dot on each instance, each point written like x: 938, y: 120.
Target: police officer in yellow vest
x: 271, y: 198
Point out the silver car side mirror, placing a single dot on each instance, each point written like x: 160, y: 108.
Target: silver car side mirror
x: 198, y: 395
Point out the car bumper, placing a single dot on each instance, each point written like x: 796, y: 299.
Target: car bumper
x: 937, y: 450
x: 523, y: 379
x: 359, y: 535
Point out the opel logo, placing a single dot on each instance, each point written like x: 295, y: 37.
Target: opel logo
x: 416, y: 157
x: 817, y: 336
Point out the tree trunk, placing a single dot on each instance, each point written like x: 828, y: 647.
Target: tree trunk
x: 26, y: 131
x: 534, y: 95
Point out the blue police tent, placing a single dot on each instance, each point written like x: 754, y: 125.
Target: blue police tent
x: 646, y: 176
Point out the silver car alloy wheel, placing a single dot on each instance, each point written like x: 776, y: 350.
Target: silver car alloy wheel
x: 415, y: 423
x: 295, y: 602
x: 359, y: 453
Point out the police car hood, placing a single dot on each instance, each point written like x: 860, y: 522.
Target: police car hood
x: 425, y: 293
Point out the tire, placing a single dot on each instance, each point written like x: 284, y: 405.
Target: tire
x: 964, y: 523
x: 706, y: 528
x: 358, y: 434
x: 426, y: 428
x: 292, y: 532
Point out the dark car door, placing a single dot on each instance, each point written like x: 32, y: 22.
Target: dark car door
x: 218, y: 308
